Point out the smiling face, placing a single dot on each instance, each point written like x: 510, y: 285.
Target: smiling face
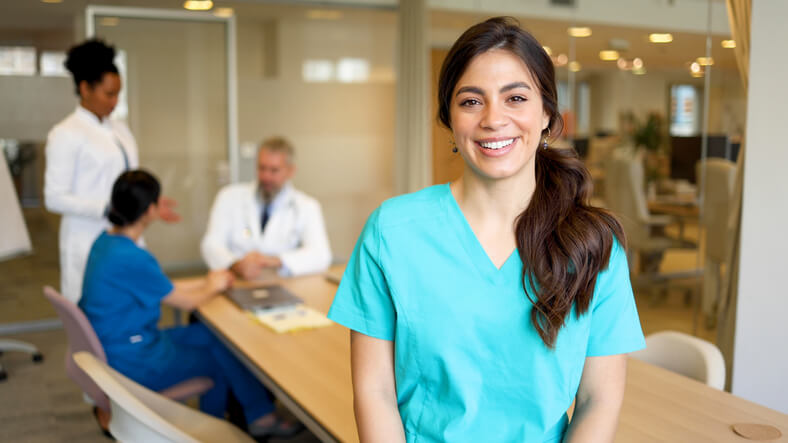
x: 497, y: 116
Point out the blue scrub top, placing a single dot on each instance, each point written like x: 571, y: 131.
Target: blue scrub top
x: 469, y: 365
x: 121, y: 296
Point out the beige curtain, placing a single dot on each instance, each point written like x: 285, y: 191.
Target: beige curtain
x: 739, y: 12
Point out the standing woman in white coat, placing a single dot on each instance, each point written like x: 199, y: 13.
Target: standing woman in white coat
x: 85, y: 153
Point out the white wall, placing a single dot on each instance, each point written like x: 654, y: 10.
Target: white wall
x: 760, y: 362
x: 343, y: 132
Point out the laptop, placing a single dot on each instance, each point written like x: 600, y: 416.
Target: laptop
x: 265, y: 299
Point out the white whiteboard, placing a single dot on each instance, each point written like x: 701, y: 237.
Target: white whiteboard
x: 14, y: 239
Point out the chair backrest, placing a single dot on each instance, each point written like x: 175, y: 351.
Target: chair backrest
x: 624, y: 191
x: 685, y: 354
x: 81, y: 337
x: 720, y: 178
x: 139, y: 414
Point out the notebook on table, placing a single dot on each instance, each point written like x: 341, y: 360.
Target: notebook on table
x: 266, y: 299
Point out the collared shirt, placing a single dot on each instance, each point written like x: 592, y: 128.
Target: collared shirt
x: 295, y: 231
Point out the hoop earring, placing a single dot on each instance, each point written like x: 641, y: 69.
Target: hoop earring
x: 546, y: 137
x: 453, y: 146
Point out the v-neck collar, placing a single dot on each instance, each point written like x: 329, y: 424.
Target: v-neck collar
x: 473, y: 246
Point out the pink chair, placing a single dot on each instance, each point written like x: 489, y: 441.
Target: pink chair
x: 82, y: 337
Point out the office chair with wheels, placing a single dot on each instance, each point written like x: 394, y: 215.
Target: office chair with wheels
x: 18, y: 346
x: 140, y: 414
x: 686, y: 355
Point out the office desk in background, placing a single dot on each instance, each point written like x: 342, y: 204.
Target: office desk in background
x: 309, y: 371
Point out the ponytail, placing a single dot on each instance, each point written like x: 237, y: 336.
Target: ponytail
x: 563, y: 241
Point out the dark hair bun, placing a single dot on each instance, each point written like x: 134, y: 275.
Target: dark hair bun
x: 89, y: 61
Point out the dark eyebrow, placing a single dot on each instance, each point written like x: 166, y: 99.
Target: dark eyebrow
x: 509, y: 87
x: 515, y: 85
x: 471, y: 89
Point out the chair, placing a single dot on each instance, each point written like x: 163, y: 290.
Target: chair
x: 624, y: 193
x: 82, y: 337
x: 140, y: 414
x: 720, y: 176
x: 18, y: 346
x: 686, y: 355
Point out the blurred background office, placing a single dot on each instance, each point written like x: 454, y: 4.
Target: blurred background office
x: 654, y: 93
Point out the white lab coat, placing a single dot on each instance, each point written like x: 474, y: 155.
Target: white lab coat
x: 295, y: 231
x: 83, y: 159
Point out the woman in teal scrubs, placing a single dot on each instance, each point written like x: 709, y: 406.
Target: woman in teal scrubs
x: 481, y: 309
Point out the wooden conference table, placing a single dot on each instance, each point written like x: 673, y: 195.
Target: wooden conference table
x: 309, y: 371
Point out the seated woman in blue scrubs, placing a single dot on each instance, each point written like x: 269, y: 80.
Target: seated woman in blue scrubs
x: 121, y: 296
x: 481, y: 309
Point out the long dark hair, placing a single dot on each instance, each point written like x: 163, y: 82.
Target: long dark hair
x: 89, y: 61
x: 563, y: 241
x: 132, y: 194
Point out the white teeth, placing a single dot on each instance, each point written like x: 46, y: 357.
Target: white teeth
x: 498, y: 144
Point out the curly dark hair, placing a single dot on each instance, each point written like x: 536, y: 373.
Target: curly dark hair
x: 89, y: 61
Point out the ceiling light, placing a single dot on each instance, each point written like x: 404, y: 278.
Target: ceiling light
x: 695, y: 67
x: 579, y: 31
x: 624, y: 64
x: 223, y: 12
x: 705, y: 61
x: 323, y: 14
x: 637, y: 63
x: 660, y: 38
x: 547, y: 50
x: 608, y: 55
x: 561, y: 60
x: 728, y: 44
x: 109, y: 21
x: 574, y: 66
x: 198, y: 5
x: 639, y: 71
x: 697, y: 74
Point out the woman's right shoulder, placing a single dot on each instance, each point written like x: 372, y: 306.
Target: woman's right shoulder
x: 69, y: 127
x: 414, y: 207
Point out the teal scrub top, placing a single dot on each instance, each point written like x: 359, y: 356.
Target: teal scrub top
x: 469, y: 365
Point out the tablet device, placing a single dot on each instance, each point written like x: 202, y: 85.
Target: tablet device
x: 263, y: 299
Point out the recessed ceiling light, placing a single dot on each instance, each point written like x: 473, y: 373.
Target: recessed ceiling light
x: 323, y: 14
x: 608, y: 55
x: 574, y: 66
x: 660, y: 38
x: 637, y: 63
x: 624, y: 64
x: 561, y: 60
x: 223, y: 12
x: 705, y: 61
x: 695, y: 67
x: 728, y: 44
x: 579, y: 31
x: 198, y: 5
x: 547, y: 50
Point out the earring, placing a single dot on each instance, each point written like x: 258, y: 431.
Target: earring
x: 546, y: 137
x: 453, y: 146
